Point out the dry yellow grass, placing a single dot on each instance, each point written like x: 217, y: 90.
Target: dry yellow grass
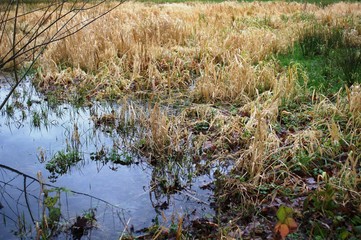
x: 158, y: 47
x: 211, y: 48
x: 215, y: 53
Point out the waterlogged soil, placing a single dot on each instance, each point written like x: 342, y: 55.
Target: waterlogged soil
x: 65, y: 176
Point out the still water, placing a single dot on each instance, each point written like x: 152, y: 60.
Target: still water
x: 93, y: 196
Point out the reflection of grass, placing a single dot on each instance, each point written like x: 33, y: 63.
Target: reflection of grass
x: 36, y: 121
x: 113, y: 156
x: 63, y: 161
x: 9, y: 109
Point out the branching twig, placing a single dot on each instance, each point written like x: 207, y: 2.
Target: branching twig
x: 52, y: 186
x: 35, y: 40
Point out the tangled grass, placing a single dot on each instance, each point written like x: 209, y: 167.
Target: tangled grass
x: 218, y: 92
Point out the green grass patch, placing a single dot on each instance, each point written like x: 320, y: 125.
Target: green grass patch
x: 322, y: 76
x: 329, y: 59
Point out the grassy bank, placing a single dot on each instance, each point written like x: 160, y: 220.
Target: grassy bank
x: 269, y: 90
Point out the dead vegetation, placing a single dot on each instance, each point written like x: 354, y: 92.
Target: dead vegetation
x: 219, y: 93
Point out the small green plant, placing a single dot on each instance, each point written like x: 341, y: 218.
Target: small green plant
x: 323, y: 200
x: 48, y: 227
x: 63, y: 161
x: 201, y: 126
x: 9, y: 109
x: 119, y: 158
x: 286, y: 223
x: 36, y: 120
x: 113, y: 156
x: 52, y: 204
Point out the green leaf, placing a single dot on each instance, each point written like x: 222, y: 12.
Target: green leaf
x: 54, y: 214
x: 202, y: 126
x: 51, y: 201
x: 65, y: 190
x: 283, y: 213
x: 356, y: 220
x: 344, y: 234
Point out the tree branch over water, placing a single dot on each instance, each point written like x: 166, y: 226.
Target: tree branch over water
x: 52, y: 186
x: 20, y: 205
x: 27, y: 29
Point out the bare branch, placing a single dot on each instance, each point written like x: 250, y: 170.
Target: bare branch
x: 54, y: 24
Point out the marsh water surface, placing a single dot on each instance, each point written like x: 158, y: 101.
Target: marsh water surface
x: 64, y: 174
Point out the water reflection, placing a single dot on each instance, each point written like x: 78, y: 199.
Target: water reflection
x: 35, y: 208
x: 99, y: 186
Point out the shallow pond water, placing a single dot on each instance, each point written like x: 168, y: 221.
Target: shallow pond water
x: 105, y: 191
